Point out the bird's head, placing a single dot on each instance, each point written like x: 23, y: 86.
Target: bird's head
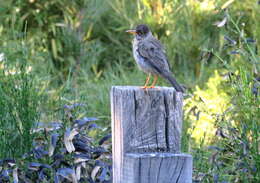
x: 141, y: 31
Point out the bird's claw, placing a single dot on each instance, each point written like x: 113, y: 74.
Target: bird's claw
x: 147, y: 87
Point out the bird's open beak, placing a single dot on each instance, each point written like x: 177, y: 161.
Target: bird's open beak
x: 132, y: 31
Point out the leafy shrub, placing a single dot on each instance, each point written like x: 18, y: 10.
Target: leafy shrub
x: 204, y: 107
x: 62, y: 152
x: 237, y: 155
x: 232, y: 154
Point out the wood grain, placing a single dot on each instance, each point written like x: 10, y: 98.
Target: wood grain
x: 157, y: 168
x: 144, y: 121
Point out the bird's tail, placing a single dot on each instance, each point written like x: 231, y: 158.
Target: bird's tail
x: 174, y: 83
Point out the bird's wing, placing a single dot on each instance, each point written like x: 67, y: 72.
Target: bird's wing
x: 154, y: 53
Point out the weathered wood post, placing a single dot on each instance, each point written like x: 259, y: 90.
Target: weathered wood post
x: 146, y: 136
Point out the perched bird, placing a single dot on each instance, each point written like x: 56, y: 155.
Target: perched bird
x: 150, y: 57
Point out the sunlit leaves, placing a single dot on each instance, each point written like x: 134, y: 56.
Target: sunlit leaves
x: 203, y: 108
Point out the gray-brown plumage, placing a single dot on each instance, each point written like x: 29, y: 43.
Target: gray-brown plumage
x: 150, y: 56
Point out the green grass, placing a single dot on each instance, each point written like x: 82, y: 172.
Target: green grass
x: 19, y: 103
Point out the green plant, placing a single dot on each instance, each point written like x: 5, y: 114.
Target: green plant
x: 63, y: 152
x: 84, y: 45
x: 235, y: 126
x: 19, y: 102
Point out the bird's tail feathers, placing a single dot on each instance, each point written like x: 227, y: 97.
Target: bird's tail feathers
x: 174, y: 83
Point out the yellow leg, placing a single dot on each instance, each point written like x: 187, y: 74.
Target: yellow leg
x: 146, y: 81
x: 154, y: 82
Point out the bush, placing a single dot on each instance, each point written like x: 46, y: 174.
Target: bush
x: 62, y: 151
x: 232, y: 119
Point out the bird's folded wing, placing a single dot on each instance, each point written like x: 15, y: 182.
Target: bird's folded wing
x: 154, y: 54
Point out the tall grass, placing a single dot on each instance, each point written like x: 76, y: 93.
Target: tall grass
x: 19, y: 102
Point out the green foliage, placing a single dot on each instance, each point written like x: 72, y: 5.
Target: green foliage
x: 78, y: 49
x: 240, y: 128
x: 223, y: 129
x: 227, y: 113
x: 204, y: 107
x: 63, y: 152
x: 19, y: 102
x: 62, y: 28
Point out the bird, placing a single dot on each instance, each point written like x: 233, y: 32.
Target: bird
x: 150, y: 57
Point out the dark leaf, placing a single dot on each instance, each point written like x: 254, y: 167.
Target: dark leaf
x: 90, y: 180
x: 215, y: 178
x: 7, y: 161
x: 220, y: 133
x: 71, y: 107
x: 230, y: 41
x: 256, y: 86
x: 100, y: 163
x: 25, y: 179
x: 56, y: 179
x: 234, y: 52
x: 54, y: 139
x: 39, y: 152
x: 104, y: 139
x: 93, y: 126
x: 240, y: 165
x: 84, y: 121
x: 46, y: 166
x: 250, y: 40
x: 81, y: 157
x: 41, y: 175
x: 81, y: 146
x: 107, y: 181
x: 58, y: 156
x: 98, y: 151
x: 244, y: 170
x: 5, y: 175
x: 254, y: 169
x: 215, y: 148
x: 67, y: 173
x: 83, y: 139
x: 35, y: 166
x: 103, y: 174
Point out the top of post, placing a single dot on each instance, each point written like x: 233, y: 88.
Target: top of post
x: 138, y: 88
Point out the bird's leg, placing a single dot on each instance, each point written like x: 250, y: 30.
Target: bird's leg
x: 146, y: 81
x: 154, y: 82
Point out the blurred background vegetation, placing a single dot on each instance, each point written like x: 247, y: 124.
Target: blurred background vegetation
x: 56, y: 52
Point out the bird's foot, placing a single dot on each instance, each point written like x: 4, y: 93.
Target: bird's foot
x: 148, y: 87
x: 144, y: 87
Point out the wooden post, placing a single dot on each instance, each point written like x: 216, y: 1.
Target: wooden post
x: 157, y: 167
x: 146, y: 136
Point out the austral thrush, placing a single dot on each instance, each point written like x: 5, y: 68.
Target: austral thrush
x: 150, y: 57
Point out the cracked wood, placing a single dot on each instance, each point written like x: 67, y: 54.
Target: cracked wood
x: 144, y: 122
